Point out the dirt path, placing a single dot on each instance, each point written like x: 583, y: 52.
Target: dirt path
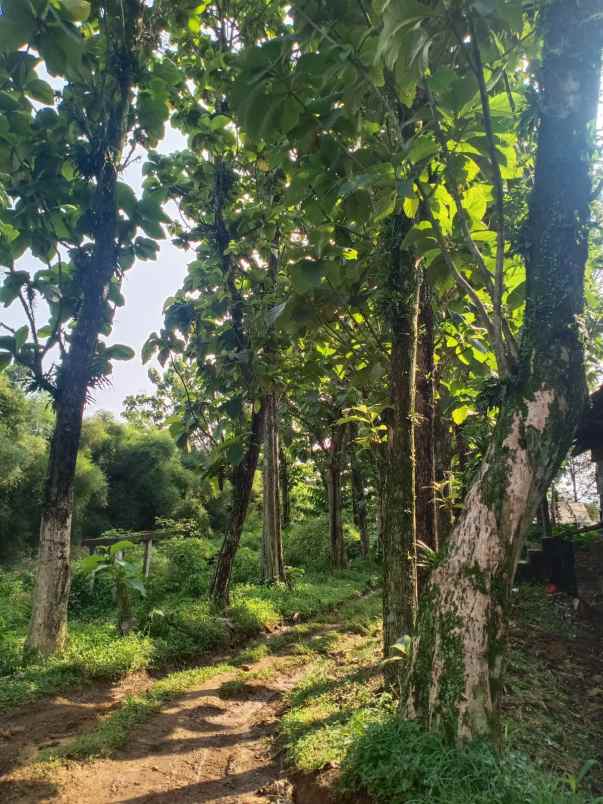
x: 201, y: 748
x: 211, y: 744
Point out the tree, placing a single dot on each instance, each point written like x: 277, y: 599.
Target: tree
x: 457, y: 659
x: 64, y: 162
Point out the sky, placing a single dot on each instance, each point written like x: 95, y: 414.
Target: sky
x: 146, y: 286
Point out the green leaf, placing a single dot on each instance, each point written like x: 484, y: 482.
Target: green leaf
x: 126, y: 199
x: 77, y: 10
x: 17, y: 25
x: 21, y: 337
x: 5, y: 360
x: 460, y: 414
x: 306, y: 275
x: 41, y: 91
x: 150, y: 347
x: 120, y: 352
x: 234, y: 453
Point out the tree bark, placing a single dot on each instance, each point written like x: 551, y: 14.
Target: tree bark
x: 399, y: 526
x: 455, y: 673
x: 333, y: 483
x: 426, y: 507
x: 273, y: 565
x: 359, y: 502
x: 242, y: 483
x: 48, y: 625
x: 443, y: 471
x: 285, y: 490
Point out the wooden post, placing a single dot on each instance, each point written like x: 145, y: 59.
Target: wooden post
x: 148, y: 546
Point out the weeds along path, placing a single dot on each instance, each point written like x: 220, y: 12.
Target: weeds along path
x: 204, y: 735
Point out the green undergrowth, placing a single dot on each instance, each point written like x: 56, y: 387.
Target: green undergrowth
x: 176, y: 623
x: 339, y: 716
x: 112, y: 731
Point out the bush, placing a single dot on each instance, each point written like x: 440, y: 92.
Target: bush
x: 90, y: 597
x: 246, y: 566
x: 307, y: 543
x: 188, y: 567
x: 186, y: 627
x: 397, y: 762
x: 98, y: 651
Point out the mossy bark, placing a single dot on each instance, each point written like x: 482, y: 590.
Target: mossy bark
x: 426, y: 508
x: 333, y: 483
x: 273, y: 565
x: 399, y: 526
x: 455, y: 674
x: 242, y: 483
x: 96, y: 267
x: 359, y: 501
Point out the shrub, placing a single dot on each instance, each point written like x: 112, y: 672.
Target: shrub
x: 185, y: 627
x: 246, y: 566
x: 397, y: 762
x: 188, y: 568
x: 307, y: 543
x: 97, y: 651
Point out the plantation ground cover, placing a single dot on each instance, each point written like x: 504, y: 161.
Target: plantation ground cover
x: 301, y: 712
x: 176, y: 623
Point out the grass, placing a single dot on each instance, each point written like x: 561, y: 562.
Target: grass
x: 177, y: 627
x: 113, y: 731
x: 339, y: 717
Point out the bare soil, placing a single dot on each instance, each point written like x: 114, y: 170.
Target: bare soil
x: 217, y: 744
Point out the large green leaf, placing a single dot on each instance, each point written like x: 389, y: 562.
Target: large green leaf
x: 120, y: 352
x: 77, y: 10
x: 306, y: 276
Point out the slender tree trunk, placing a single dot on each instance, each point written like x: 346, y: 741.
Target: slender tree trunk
x: 48, y: 625
x: 443, y: 472
x: 242, y: 483
x: 333, y: 483
x: 399, y: 534
x: 456, y: 665
x: 599, y: 476
x: 273, y: 565
x: 285, y: 490
x: 544, y: 518
x: 426, y: 508
x: 359, y: 502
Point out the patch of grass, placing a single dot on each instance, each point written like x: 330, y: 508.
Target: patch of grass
x: 235, y: 688
x: 95, y: 651
x: 339, y: 717
x: 397, y: 762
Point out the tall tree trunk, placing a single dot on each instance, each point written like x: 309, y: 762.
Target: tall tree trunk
x: 399, y: 535
x: 273, y: 565
x: 359, y: 502
x: 242, y: 483
x: 426, y: 508
x: 48, y: 624
x: 333, y: 483
x: 285, y: 489
x: 456, y: 665
x: 544, y: 518
x: 443, y: 472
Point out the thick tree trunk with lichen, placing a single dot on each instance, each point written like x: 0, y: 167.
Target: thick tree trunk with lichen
x: 455, y: 673
x: 48, y: 624
x: 399, y: 535
x: 273, y: 565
